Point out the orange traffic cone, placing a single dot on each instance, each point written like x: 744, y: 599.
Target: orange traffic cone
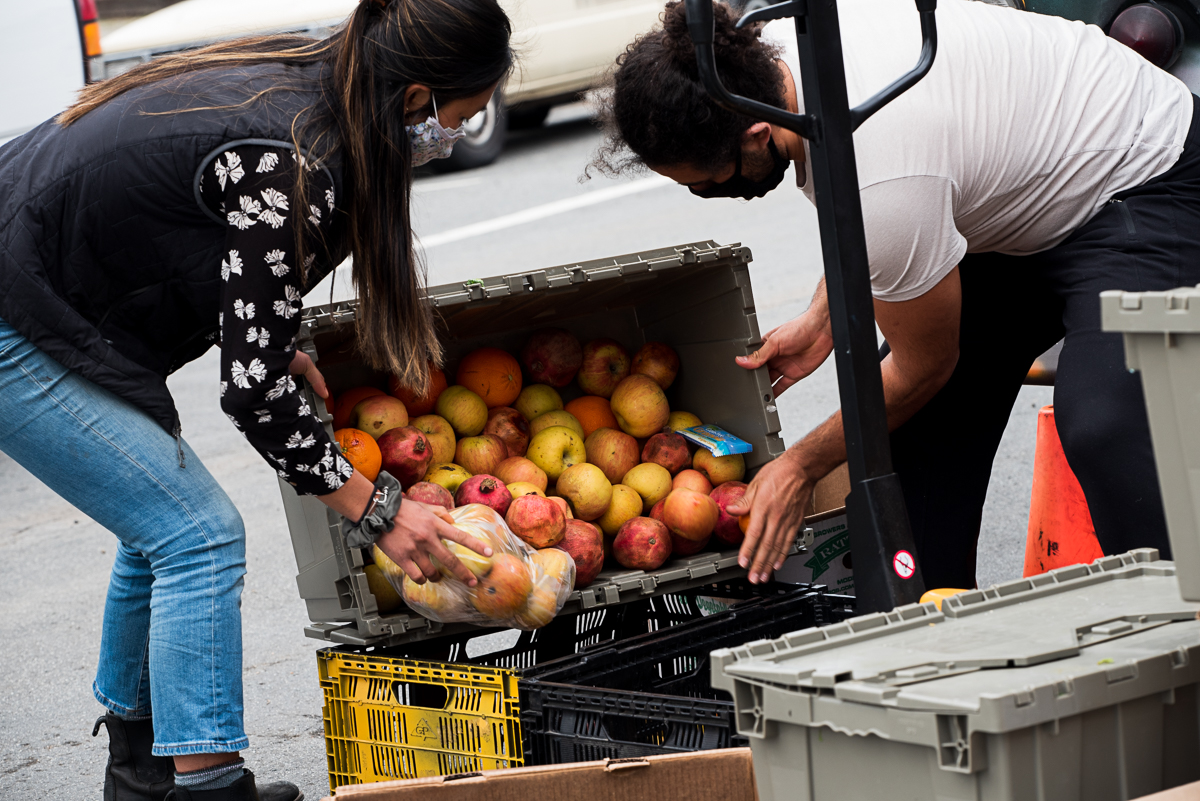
x: 1060, y: 526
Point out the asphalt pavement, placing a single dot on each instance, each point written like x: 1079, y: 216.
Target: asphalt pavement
x: 56, y: 560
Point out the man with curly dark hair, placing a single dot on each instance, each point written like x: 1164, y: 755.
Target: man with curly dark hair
x: 1037, y: 164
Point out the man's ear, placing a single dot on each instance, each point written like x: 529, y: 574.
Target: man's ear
x: 756, y: 136
x: 418, y: 96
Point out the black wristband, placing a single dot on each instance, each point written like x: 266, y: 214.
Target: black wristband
x: 380, y: 512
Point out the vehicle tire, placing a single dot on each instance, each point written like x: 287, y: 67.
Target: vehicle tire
x: 523, y: 117
x: 486, y: 132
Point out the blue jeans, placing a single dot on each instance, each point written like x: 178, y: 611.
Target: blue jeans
x: 172, y: 640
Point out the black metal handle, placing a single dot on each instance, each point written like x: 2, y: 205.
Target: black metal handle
x: 700, y: 28
x: 926, y: 8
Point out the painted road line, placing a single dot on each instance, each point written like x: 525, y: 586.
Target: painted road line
x: 543, y: 211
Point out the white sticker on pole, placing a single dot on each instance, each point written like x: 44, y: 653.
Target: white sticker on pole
x: 904, y: 564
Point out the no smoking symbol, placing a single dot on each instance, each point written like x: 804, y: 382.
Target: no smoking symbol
x: 904, y: 564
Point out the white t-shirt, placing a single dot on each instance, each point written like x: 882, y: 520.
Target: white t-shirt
x: 1024, y: 127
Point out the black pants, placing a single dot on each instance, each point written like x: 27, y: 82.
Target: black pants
x: 1013, y: 309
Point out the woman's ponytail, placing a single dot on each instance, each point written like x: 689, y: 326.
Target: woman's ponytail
x: 460, y: 48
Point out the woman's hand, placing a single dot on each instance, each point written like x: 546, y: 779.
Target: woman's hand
x: 776, y: 501
x: 417, y: 535
x: 302, y: 364
x: 793, y: 350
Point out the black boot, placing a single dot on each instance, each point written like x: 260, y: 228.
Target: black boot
x: 133, y: 773
x: 241, y: 790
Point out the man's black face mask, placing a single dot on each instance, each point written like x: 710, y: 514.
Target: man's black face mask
x: 741, y: 186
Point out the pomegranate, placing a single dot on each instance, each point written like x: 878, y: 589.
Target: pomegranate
x: 669, y: 450
x: 406, y: 454
x: 511, y: 427
x: 728, y: 530
x: 642, y: 543
x: 536, y: 520
x: 552, y: 356
x: 584, y: 542
x: 485, y: 489
x: 428, y: 492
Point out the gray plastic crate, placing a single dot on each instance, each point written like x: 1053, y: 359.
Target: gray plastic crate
x: 1162, y: 340
x: 695, y: 297
x: 1076, y: 685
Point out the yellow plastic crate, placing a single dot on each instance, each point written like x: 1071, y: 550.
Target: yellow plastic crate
x: 391, y: 718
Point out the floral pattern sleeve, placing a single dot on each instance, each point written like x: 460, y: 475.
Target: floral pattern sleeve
x: 250, y: 187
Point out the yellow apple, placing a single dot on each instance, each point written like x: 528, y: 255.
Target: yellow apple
x: 556, y: 448
x: 651, y: 481
x: 626, y: 504
x: 537, y: 399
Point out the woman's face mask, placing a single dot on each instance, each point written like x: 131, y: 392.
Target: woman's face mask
x: 430, y: 140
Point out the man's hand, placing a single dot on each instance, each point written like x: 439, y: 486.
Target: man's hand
x: 418, y: 534
x: 797, y: 348
x: 776, y: 501
x: 302, y: 364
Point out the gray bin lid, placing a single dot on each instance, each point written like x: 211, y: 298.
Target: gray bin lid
x: 1014, y: 655
x: 1173, y: 311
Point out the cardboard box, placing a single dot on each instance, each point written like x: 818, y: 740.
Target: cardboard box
x: 725, y: 774
x: 827, y: 560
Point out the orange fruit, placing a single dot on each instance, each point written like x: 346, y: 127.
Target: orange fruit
x: 418, y: 405
x: 343, y: 406
x: 360, y: 450
x: 491, y: 374
x: 744, y: 523
x: 592, y: 412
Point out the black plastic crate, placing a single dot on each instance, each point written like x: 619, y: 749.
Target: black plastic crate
x: 652, y: 694
x: 572, y: 632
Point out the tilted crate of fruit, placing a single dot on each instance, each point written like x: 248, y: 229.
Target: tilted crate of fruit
x: 558, y: 407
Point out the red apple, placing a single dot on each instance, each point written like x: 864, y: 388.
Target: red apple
x: 689, y: 514
x: 430, y: 493
x: 605, y: 364
x: 693, y: 480
x: 480, y: 454
x: 516, y: 469
x: 406, y: 454
x: 642, y: 543
x: 511, y: 427
x: 614, y: 452
x: 658, y: 361
x: 728, y: 529
x: 668, y: 449
x: 552, y: 356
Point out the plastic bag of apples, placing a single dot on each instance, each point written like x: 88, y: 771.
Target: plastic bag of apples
x: 519, y: 587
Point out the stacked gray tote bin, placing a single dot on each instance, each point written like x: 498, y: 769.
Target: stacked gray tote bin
x: 1162, y: 342
x: 1075, y: 685
x: 695, y: 297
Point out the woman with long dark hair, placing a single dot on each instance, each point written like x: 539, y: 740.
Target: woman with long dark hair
x: 187, y: 203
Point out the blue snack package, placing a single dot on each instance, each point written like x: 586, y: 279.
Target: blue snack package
x: 715, y: 440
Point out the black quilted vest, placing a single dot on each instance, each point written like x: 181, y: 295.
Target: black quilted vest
x: 108, y: 263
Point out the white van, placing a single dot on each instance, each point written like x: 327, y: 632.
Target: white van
x: 44, y: 51
x: 564, y: 46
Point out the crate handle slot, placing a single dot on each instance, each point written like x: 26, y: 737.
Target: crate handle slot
x: 611, y: 765
x: 428, y: 696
